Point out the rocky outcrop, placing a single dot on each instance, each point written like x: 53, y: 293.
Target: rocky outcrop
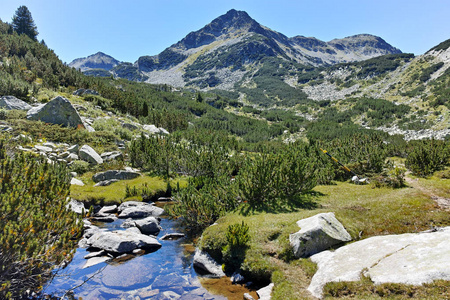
x: 118, y: 242
x: 317, y: 233
x: 412, y: 258
x: 115, y: 174
x: 88, y: 154
x: 11, y: 102
x: 203, y: 261
x: 57, y: 111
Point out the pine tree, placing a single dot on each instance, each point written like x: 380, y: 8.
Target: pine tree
x: 23, y: 22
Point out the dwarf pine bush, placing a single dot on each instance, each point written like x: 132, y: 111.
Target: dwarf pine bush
x: 36, y: 228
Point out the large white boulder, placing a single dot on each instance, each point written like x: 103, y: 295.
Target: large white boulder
x: 412, y: 258
x: 317, y: 233
x: 57, y: 111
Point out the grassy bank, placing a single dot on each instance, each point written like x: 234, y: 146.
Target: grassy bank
x: 145, y: 187
x: 365, y: 211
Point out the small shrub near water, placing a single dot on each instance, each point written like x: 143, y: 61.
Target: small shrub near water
x: 237, y: 242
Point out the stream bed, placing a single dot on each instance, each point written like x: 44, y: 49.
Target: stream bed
x: 164, y: 274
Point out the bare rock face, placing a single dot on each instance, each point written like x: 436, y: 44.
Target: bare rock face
x: 412, y: 258
x: 57, y: 111
x: 11, y: 102
x: 317, y: 233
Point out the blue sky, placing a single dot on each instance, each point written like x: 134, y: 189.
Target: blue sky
x: 129, y: 29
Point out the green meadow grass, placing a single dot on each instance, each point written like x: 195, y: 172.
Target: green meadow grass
x: 364, y: 211
x: 115, y: 193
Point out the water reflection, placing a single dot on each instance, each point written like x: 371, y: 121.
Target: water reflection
x: 164, y: 274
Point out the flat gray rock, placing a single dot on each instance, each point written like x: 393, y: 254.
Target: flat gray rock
x: 113, y: 155
x: 115, y: 174
x: 412, y: 258
x: 317, y: 233
x: 88, y: 154
x: 141, y: 212
x: 122, y: 241
x: 11, y: 102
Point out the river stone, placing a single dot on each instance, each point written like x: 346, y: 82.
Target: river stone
x: 205, y: 262
x: 317, y: 233
x: 57, y: 111
x: 122, y: 241
x: 115, y: 174
x: 11, y: 102
x: 141, y: 212
x: 265, y: 292
x: 108, y: 209
x: 411, y: 258
x: 172, y: 236
x: 104, y: 218
x: 88, y: 154
x: 128, y: 204
x: 149, y: 225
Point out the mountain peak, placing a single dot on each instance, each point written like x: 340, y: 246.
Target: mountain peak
x: 98, y: 60
x: 232, y: 22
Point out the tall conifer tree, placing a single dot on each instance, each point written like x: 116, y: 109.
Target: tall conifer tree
x: 22, y: 22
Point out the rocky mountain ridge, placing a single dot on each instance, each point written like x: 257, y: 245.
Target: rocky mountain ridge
x: 236, y: 41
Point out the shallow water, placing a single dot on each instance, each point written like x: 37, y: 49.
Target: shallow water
x: 164, y: 274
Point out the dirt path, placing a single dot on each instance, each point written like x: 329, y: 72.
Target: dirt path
x: 443, y: 203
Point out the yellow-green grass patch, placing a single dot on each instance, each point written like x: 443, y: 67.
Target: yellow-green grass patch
x: 116, y: 192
